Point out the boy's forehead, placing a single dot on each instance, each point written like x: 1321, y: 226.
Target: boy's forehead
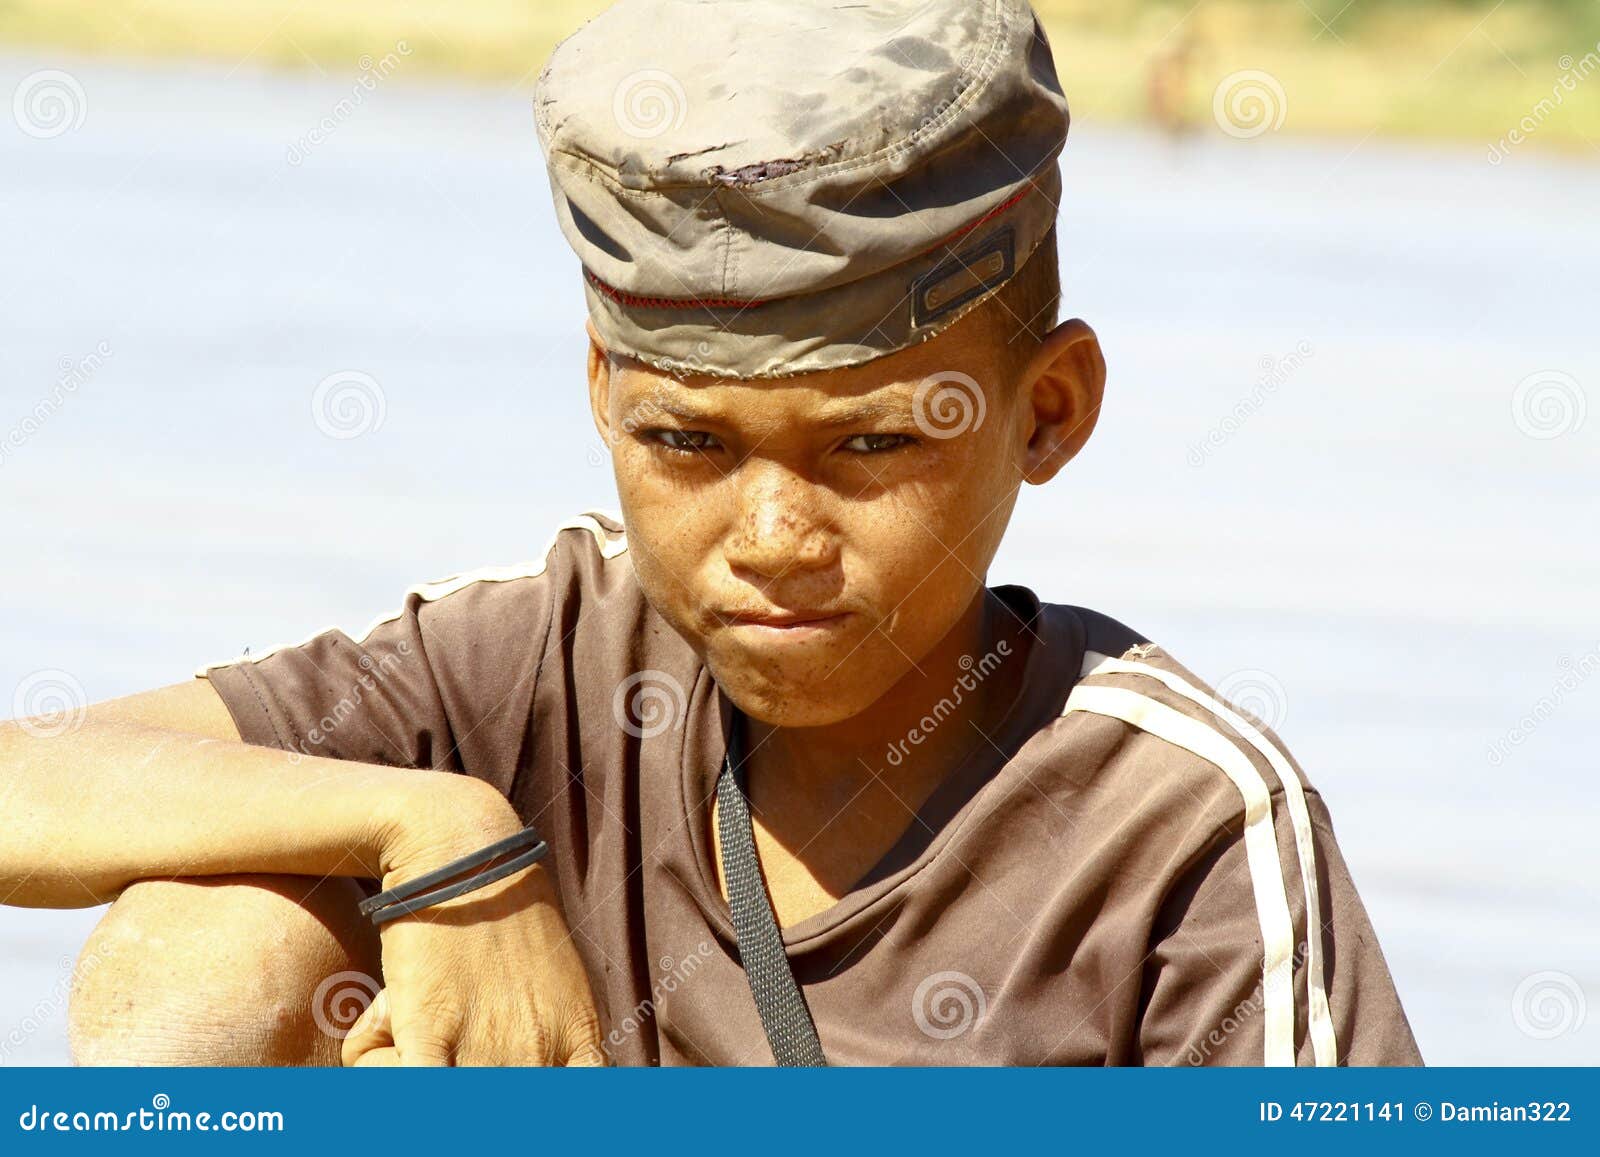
x: 882, y: 388
x: 765, y: 188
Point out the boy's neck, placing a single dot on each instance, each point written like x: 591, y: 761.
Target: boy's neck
x: 830, y: 801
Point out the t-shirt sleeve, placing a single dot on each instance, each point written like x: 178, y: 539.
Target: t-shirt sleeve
x: 1204, y: 1000
x: 446, y: 682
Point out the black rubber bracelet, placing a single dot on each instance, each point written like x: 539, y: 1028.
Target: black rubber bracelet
x: 449, y: 871
x: 471, y: 884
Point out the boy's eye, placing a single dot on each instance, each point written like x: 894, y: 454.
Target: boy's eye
x: 875, y: 443
x: 684, y: 441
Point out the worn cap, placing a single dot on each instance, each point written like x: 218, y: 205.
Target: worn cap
x: 759, y: 188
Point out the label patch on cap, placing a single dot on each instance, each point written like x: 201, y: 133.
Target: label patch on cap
x: 953, y: 283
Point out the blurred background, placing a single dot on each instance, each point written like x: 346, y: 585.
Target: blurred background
x: 286, y: 325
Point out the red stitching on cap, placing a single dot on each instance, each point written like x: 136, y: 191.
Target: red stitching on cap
x: 968, y: 228
x: 627, y: 298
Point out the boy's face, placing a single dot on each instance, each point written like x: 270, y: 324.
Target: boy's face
x: 814, y: 537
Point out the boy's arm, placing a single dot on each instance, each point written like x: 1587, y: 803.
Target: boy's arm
x: 159, y: 785
x: 192, y: 706
x: 1204, y: 1003
x: 152, y: 786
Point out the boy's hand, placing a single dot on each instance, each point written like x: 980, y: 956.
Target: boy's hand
x: 489, y: 978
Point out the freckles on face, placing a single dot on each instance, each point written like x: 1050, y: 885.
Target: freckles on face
x: 810, y: 544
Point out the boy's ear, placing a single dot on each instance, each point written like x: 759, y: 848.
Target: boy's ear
x: 599, y: 370
x: 1064, y: 382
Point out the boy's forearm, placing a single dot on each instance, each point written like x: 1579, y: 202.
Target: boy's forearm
x: 89, y: 813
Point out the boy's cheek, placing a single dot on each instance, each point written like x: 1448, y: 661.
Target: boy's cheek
x: 670, y: 530
x: 665, y: 565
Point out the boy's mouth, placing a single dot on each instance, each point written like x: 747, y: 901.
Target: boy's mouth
x: 782, y: 624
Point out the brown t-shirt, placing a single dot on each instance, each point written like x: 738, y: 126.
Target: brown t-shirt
x: 1127, y: 875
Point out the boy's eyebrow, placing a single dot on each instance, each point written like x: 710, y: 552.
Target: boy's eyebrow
x: 646, y: 407
x: 866, y: 410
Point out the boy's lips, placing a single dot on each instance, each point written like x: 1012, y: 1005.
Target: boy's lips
x: 785, y: 622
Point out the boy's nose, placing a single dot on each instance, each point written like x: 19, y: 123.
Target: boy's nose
x: 782, y: 527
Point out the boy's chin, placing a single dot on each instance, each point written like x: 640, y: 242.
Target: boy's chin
x: 786, y: 704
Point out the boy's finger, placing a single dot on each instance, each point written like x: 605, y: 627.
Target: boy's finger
x: 379, y: 1058
x: 418, y: 1050
x: 587, y: 1056
x: 370, y: 1031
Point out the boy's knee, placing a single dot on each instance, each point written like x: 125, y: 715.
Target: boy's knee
x: 228, y: 970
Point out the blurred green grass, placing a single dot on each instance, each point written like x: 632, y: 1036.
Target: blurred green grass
x: 1455, y: 69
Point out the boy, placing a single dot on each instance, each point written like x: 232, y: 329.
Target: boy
x: 813, y: 792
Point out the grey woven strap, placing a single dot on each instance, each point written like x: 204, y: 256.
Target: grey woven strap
x: 783, y: 1010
